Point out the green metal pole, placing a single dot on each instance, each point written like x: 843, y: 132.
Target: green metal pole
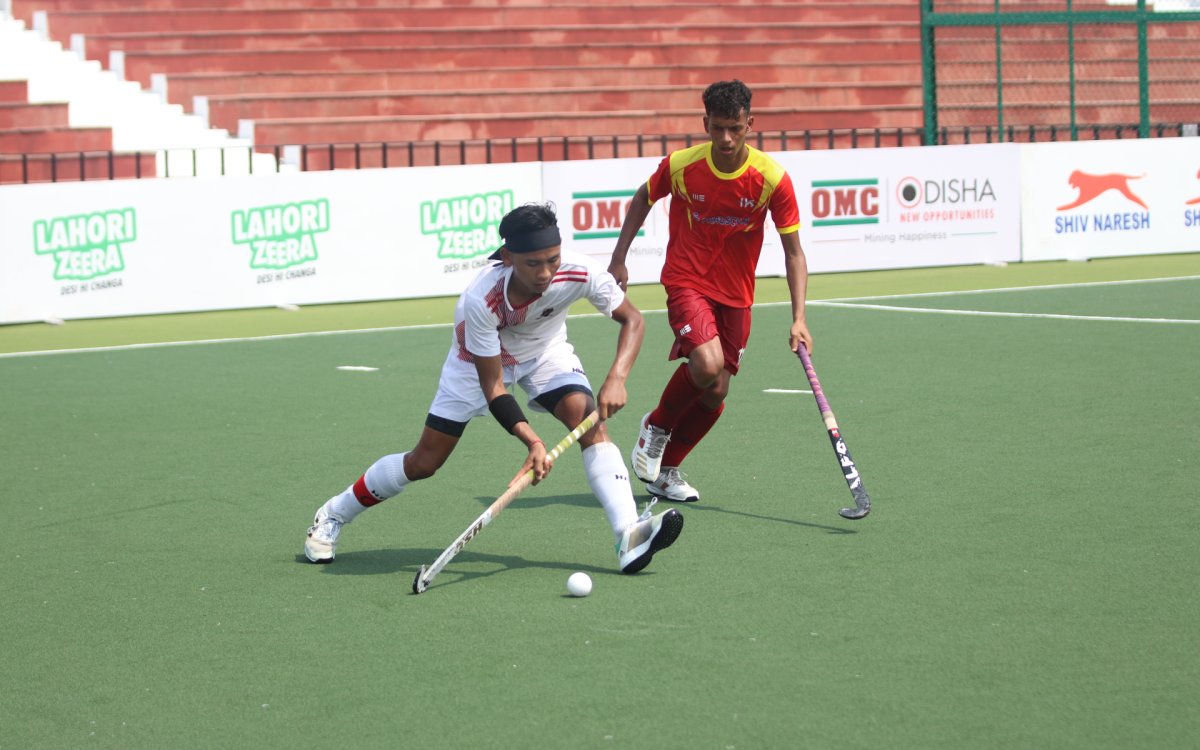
x: 1071, y: 67
x: 1143, y: 73
x: 928, y: 73
x: 999, y: 75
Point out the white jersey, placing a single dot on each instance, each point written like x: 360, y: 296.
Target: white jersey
x: 486, y: 324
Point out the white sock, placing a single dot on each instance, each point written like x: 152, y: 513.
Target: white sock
x: 609, y: 480
x: 385, y: 478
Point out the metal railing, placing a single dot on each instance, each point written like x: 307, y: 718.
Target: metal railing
x: 1003, y: 63
x: 107, y: 165
x: 242, y: 160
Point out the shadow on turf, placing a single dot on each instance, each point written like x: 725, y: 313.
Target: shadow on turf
x: 401, y: 560
x: 406, y: 561
x: 580, y: 500
x: 588, y: 501
x: 692, y: 507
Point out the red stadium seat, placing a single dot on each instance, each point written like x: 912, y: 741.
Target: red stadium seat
x: 322, y: 71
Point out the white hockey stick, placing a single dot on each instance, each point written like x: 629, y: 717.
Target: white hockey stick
x: 425, y: 574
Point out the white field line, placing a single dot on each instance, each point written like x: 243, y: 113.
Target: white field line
x: 273, y: 337
x: 1077, y: 285
x: 784, y: 390
x: 995, y: 314
x: 837, y: 301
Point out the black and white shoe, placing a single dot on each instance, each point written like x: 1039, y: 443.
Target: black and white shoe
x: 647, y: 535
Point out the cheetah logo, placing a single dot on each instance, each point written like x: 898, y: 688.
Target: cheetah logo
x: 1090, y: 186
x: 1196, y: 200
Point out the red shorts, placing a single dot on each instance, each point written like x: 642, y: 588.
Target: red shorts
x: 696, y: 320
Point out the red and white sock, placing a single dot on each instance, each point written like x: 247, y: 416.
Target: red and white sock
x: 385, y: 478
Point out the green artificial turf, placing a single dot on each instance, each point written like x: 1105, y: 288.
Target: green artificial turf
x: 1027, y: 578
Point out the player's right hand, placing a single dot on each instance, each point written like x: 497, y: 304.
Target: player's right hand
x: 799, y: 334
x: 620, y: 273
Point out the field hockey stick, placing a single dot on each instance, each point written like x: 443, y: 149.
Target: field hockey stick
x: 862, y: 501
x: 426, y: 574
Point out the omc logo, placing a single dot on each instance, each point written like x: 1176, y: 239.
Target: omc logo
x: 842, y: 202
x: 599, y: 215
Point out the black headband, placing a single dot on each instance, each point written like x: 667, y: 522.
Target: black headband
x: 532, y: 241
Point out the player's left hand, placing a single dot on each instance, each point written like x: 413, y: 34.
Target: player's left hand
x: 538, y: 461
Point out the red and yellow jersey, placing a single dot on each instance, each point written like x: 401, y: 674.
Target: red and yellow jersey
x: 717, y: 220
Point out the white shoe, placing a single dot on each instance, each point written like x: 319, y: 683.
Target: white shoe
x: 646, y: 457
x: 647, y: 535
x: 673, y: 486
x: 321, y: 544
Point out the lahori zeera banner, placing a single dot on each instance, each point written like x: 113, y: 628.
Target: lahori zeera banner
x: 135, y: 247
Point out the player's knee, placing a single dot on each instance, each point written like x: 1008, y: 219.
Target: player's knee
x: 716, y: 393
x: 598, y: 434
x: 573, y: 407
x: 418, y: 465
x: 706, y: 369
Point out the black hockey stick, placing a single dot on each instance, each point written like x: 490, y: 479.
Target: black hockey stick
x: 862, y: 501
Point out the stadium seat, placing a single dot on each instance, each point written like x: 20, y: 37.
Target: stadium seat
x: 182, y: 88
x: 324, y: 71
x: 816, y: 101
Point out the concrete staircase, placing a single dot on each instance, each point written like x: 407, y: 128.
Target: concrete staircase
x: 67, y: 118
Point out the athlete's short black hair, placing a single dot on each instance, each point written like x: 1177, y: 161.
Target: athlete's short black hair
x: 528, y: 218
x: 727, y: 99
x: 533, y: 226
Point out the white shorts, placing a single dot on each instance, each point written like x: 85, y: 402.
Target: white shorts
x: 459, y: 397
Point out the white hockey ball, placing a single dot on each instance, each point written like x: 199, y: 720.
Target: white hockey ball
x: 579, y: 584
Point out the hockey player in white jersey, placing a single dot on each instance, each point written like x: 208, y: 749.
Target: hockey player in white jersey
x: 510, y: 328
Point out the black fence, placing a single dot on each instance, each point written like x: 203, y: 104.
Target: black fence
x: 244, y: 160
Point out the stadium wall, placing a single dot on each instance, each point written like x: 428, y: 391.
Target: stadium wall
x: 115, y: 248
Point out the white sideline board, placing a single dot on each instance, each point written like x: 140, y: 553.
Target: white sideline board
x: 1096, y: 199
